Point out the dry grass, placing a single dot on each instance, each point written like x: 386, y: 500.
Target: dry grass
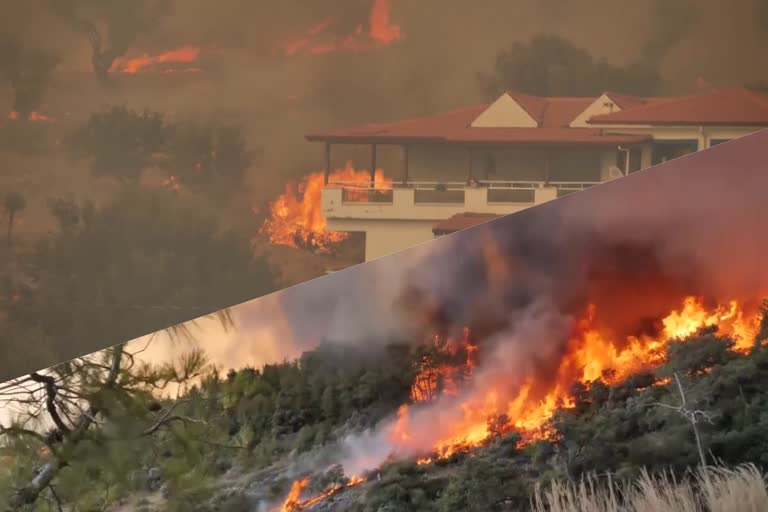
x: 741, y: 489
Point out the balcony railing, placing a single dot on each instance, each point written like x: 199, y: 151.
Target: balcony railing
x: 453, y: 193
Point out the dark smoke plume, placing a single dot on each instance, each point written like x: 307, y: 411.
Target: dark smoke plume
x: 111, y: 26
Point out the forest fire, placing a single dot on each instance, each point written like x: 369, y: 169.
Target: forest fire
x: 180, y: 56
x: 296, y: 218
x: 380, y: 32
x: 458, y: 405
x: 590, y: 356
x: 33, y: 116
x: 293, y: 502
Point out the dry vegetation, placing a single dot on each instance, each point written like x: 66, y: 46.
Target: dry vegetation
x: 719, y: 489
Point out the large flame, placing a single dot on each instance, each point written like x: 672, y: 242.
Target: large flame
x: 183, y: 55
x: 296, y: 219
x: 591, y: 355
x: 490, y: 410
x: 315, y: 40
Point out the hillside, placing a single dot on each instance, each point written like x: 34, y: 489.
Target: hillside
x: 286, y: 434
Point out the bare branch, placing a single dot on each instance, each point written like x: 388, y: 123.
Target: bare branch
x: 50, y: 400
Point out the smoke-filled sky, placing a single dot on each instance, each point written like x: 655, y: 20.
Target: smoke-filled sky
x: 723, y: 43
x: 444, y: 44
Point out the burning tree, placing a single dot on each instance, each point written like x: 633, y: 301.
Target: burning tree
x: 111, y: 27
x: 28, y: 71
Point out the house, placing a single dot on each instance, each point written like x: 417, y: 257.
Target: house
x: 467, y: 166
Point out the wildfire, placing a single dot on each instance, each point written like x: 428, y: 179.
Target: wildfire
x: 381, y: 32
x: 184, y: 55
x: 293, y: 501
x: 33, y: 116
x: 436, y: 378
x: 591, y: 355
x: 296, y: 218
x: 172, y: 183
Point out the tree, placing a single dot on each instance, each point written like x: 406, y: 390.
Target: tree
x: 202, y: 153
x: 121, y: 143
x: 92, y: 406
x: 550, y: 65
x: 143, y: 262
x: 14, y: 203
x: 111, y: 26
x: 28, y: 71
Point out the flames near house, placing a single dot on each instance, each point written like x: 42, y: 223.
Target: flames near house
x: 296, y: 219
x: 519, y: 314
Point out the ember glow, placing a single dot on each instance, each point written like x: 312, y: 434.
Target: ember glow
x: 316, y: 40
x: 296, y: 218
x: 183, y: 55
x: 33, y: 116
x: 293, y: 502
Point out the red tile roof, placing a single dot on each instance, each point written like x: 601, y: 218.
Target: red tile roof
x: 737, y: 106
x: 731, y: 107
x: 462, y: 221
x: 552, y: 114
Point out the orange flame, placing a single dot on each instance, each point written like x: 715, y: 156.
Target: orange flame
x: 184, y: 55
x: 443, y: 379
x: 33, y: 116
x: 293, y: 502
x: 296, y: 218
x: 381, y: 32
x: 591, y: 356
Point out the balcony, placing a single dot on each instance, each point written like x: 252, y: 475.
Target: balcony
x: 429, y: 201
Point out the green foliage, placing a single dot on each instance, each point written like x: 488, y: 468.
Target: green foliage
x: 200, y: 154
x: 252, y: 418
x: 627, y: 428
x: 121, y: 143
x: 141, y: 263
x: 549, y: 65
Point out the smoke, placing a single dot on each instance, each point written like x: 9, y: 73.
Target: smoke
x: 111, y: 26
x: 28, y: 71
x: 673, y: 22
x: 633, y: 248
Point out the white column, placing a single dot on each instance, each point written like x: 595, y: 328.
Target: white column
x: 403, y: 198
x: 331, y: 198
x: 646, y: 156
x: 703, y: 141
x: 476, y: 199
x: 544, y: 194
x: 607, y: 161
